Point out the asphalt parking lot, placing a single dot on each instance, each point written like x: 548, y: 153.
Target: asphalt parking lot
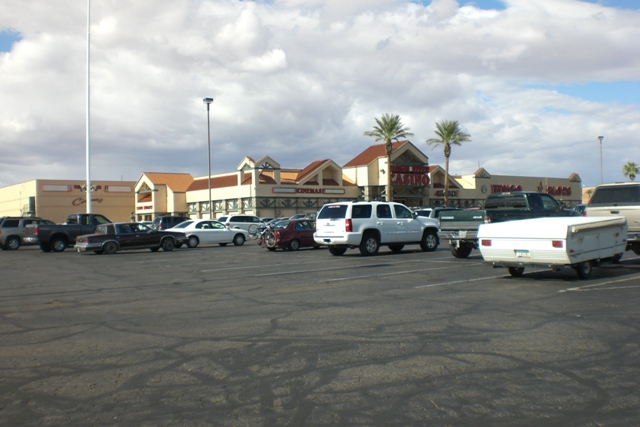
x: 239, y: 336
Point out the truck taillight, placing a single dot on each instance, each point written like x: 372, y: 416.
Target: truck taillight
x: 485, y: 242
x: 557, y: 244
x: 348, y: 226
x: 487, y: 219
x: 35, y: 230
x: 584, y: 212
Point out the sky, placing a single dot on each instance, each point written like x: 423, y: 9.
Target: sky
x: 534, y: 82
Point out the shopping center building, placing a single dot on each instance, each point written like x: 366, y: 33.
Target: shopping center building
x: 264, y: 188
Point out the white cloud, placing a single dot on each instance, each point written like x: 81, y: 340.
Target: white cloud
x: 302, y: 80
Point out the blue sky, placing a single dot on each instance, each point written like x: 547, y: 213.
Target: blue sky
x: 534, y: 83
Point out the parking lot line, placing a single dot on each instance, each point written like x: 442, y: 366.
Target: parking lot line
x: 455, y: 282
x: 589, y: 288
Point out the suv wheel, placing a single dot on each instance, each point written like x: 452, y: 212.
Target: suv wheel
x: 429, y: 241
x: 462, y: 251
x: 12, y: 243
x: 369, y: 245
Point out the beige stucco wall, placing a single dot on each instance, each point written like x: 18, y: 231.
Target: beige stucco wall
x: 56, y: 199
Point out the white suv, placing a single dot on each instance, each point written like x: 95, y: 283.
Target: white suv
x: 368, y: 225
x: 246, y: 222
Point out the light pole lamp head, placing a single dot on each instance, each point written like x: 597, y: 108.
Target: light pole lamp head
x: 601, y: 138
x: 207, y: 101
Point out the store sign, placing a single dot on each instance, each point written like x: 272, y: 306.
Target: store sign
x: 81, y: 201
x: 505, y: 188
x: 560, y: 190
x: 452, y: 193
x: 144, y: 208
x: 286, y: 190
x: 409, y: 175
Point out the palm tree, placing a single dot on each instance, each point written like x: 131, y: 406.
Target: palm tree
x: 630, y: 169
x: 449, y: 133
x: 389, y: 128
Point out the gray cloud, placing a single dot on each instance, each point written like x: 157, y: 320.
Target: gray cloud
x: 302, y: 80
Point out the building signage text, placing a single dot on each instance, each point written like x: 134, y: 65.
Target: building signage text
x: 560, y: 190
x: 81, y: 201
x: 409, y: 175
x: 452, y: 193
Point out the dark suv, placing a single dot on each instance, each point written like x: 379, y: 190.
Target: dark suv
x: 164, y: 222
x: 12, y: 231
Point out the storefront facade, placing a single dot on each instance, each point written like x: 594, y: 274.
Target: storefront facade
x: 56, y: 199
x: 265, y: 189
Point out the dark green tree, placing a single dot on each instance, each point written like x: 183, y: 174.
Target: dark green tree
x: 389, y: 128
x: 449, y: 133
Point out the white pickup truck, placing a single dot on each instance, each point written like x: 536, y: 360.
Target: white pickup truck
x: 619, y: 199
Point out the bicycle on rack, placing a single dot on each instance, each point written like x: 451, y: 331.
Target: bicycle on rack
x: 267, y: 238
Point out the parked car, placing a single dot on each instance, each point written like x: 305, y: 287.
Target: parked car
x: 579, y: 208
x: 167, y: 221
x: 433, y: 212
x: 12, y: 234
x: 209, y: 231
x: 245, y: 222
x: 292, y: 235
x: 111, y: 238
x: 58, y: 237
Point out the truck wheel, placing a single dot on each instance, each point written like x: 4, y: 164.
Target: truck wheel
x: 396, y: 248
x: 617, y: 258
x: 12, y: 243
x: 337, y: 250
x: 58, y: 244
x: 429, y: 242
x: 461, y: 251
x: 369, y: 245
x: 168, y: 245
x: 516, y: 271
x: 584, y: 270
x: 44, y: 247
x: 110, y: 248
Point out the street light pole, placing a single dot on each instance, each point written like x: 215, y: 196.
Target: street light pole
x: 601, y: 138
x: 208, y: 101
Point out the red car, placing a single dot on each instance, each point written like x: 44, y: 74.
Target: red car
x: 290, y: 234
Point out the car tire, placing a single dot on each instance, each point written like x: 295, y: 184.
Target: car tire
x: 584, y: 270
x: 12, y: 243
x: 58, y: 244
x: 294, y: 245
x: 617, y: 259
x: 168, y: 245
x: 110, y: 248
x: 516, y: 271
x: 238, y: 239
x: 462, y: 251
x: 337, y: 250
x: 370, y: 245
x: 193, y: 242
x: 396, y: 248
x: 429, y: 242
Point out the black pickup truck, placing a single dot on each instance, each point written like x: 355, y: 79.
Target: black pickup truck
x: 460, y: 227
x: 59, y: 236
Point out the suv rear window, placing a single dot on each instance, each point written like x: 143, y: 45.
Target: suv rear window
x: 333, y: 212
x: 611, y: 196
x: 10, y: 223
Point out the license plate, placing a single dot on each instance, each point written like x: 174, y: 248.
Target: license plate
x: 522, y: 253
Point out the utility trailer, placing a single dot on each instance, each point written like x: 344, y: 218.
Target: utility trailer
x: 555, y: 243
